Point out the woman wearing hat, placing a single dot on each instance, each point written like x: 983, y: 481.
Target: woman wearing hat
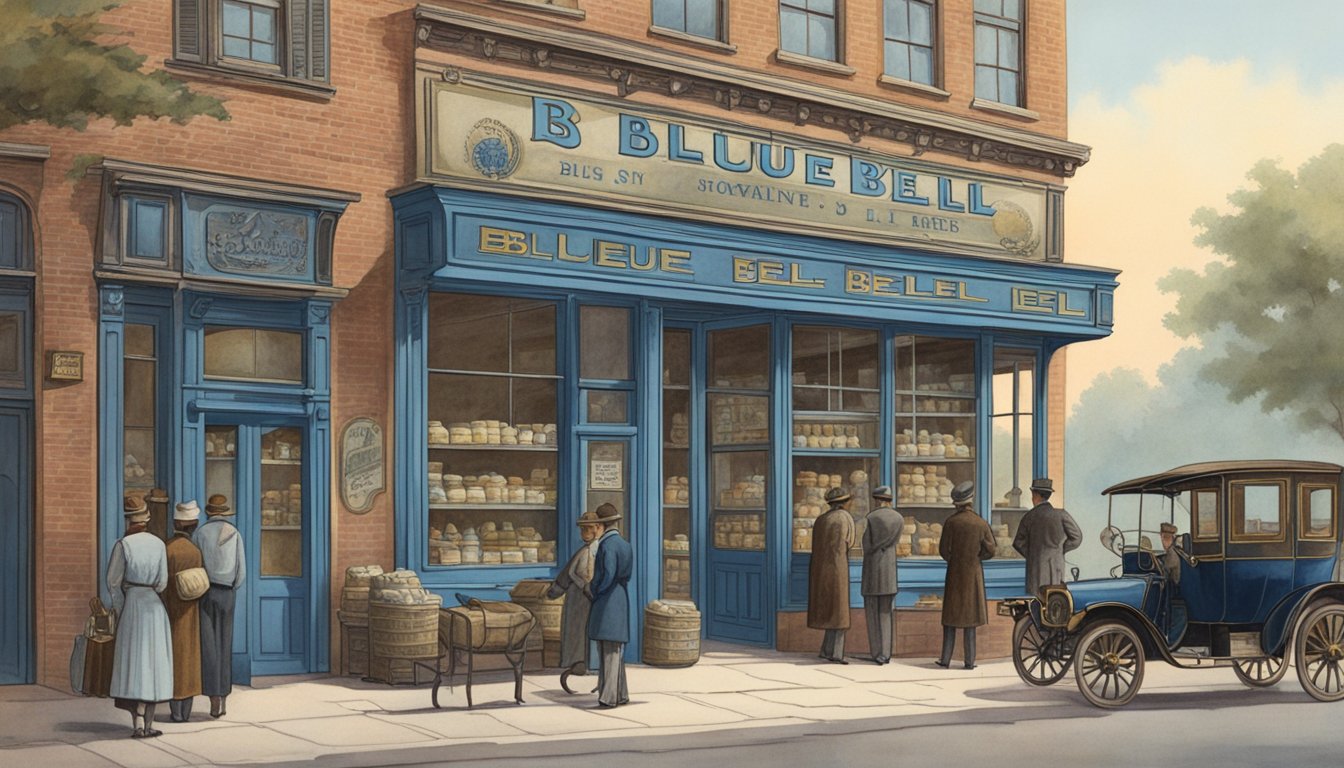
x: 142, y: 665
x: 572, y: 582
x: 183, y: 614
x: 828, y: 575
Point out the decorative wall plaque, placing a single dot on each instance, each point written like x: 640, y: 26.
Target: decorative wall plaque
x: 65, y: 366
x: 361, y: 464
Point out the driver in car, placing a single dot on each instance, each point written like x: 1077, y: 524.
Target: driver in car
x: 1171, y: 560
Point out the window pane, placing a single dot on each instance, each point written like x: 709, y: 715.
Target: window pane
x: 280, y: 355
x: 608, y: 407
x: 139, y: 392
x: 1012, y: 9
x: 604, y: 343
x: 282, y: 508
x: 921, y: 65
x: 1206, y: 514
x: 11, y: 348
x: 896, y: 24
x: 1008, y: 55
x: 138, y: 457
x: 702, y: 18
x: 986, y: 45
x: 994, y: 7
x: 263, y: 52
x: 1259, y: 510
x: 821, y: 6
x: 533, y: 338
x: 1008, y: 88
x: 251, y: 353
x: 821, y: 38
x: 921, y: 24
x: 739, y: 358
x: 1320, y: 512
x: 792, y: 30
x: 469, y: 333
x: 677, y: 357
x: 230, y: 352
x: 669, y: 13
x: 897, y: 60
x: 263, y: 25
x: 235, y: 19
x: 237, y: 48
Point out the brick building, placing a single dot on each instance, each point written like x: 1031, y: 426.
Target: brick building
x: 637, y: 251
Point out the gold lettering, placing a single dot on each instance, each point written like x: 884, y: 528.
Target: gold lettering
x: 505, y: 241
x: 796, y: 278
x: 944, y: 289
x: 882, y: 286
x: 648, y: 264
x: 536, y: 249
x: 856, y: 281
x: 964, y: 294
x: 609, y: 254
x: 768, y: 273
x: 911, y: 290
x: 562, y: 248
x: 1028, y: 300
x: 676, y: 261
x: 1066, y: 311
x: 744, y: 270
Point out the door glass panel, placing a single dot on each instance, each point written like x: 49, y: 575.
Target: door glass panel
x: 738, y: 480
x: 607, y: 479
x: 607, y: 407
x: 139, y: 409
x: 676, y: 465
x: 1318, y: 512
x: 221, y: 468
x: 11, y: 348
x: 739, y: 358
x: 282, y: 504
x: 254, y: 354
x: 1257, y: 511
x: 604, y: 343
x: 739, y: 419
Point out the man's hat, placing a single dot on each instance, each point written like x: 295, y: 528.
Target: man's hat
x: 134, y: 509
x: 1167, y: 528
x: 218, y: 505
x: 1043, y: 484
x: 963, y: 493
x: 186, y: 511
x: 589, y: 518
x: 606, y: 513
x: 159, y: 495
x: 837, y: 496
x: 883, y: 492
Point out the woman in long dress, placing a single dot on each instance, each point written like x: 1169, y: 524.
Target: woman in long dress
x: 572, y: 582
x: 142, y: 664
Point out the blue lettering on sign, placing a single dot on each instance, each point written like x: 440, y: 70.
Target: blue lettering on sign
x: 721, y: 156
x: 637, y: 139
x: 553, y: 121
x: 976, y: 195
x: 819, y: 171
x: 763, y: 159
x: 865, y: 178
x: 676, y: 146
x: 903, y: 191
x: 945, y: 200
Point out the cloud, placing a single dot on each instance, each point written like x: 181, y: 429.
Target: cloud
x: 1184, y: 141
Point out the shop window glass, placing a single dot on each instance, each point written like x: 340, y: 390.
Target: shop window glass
x: 254, y: 354
x: 739, y: 358
x: 492, y: 405
x: 835, y: 388
x: 677, y: 491
x: 739, y: 436
x: 282, y: 508
x: 935, y: 435
x: 605, y: 407
x: 1257, y: 511
x: 1318, y: 512
x: 11, y: 346
x: 604, y: 343
x: 139, y: 409
x: 1013, y: 424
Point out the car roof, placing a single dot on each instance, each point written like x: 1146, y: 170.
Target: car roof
x: 1162, y: 482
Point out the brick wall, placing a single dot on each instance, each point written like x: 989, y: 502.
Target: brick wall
x: 918, y: 634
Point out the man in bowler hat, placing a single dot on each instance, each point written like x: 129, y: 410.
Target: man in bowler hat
x: 609, y: 619
x: 828, y: 575
x: 966, y: 541
x: 879, y: 572
x: 1043, y: 536
x: 222, y: 551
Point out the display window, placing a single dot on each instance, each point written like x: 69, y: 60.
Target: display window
x: 1013, y: 425
x: 676, y: 459
x: 492, y: 406
x: 739, y: 436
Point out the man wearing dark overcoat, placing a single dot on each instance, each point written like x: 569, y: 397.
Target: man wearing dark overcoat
x: 966, y: 541
x: 828, y: 575
x: 184, y: 616
x: 879, y: 572
x: 1043, y: 536
x: 609, y: 619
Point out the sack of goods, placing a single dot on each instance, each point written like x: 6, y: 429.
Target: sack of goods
x: 401, y: 588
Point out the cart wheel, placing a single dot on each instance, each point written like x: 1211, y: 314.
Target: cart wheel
x: 1260, y: 673
x: 1320, y: 652
x: 1039, y: 659
x: 1109, y: 664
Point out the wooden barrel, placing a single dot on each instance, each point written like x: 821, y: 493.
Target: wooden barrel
x: 355, y: 606
x: 671, y: 633
x: 399, y: 631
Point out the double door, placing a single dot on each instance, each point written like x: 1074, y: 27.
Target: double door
x: 15, y: 537
x: 260, y: 467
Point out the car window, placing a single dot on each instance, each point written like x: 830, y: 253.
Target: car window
x: 1257, y: 511
x: 1317, y: 503
x: 1206, y: 513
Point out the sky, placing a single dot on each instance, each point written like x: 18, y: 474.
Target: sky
x: 1178, y: 99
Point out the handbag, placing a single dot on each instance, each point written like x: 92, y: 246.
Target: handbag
x: 92, y: 657
x: 192, y: 583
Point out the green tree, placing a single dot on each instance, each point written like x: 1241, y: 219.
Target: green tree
x: 57, y: 65
x: 1278, y: 289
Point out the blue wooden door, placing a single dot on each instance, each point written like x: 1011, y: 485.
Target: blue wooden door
x: 738, y: 588
x: 15, y: 537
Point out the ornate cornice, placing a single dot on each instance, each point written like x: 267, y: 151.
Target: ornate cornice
x: 632, y: 67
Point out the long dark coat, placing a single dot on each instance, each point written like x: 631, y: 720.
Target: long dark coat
x: 966, y: 541
x: 828, y: 571
x: 574, y: 613
x: 610, y: 616
x: 184, y: 617
x: 879, y: 551
x: 1044, y: 535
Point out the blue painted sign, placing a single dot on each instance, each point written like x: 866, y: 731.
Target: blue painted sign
x: 248, y: 240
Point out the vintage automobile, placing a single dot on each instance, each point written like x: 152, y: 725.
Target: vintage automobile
x: 1254, y: 573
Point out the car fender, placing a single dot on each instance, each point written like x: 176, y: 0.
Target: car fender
x: 1284, y: 616
x: 1147, y: 631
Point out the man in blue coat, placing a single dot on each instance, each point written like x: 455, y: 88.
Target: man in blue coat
x: 609, y: 619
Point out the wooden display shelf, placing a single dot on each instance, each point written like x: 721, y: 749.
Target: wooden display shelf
x: 220, y: 458
x: 284, y: 462
x: 932, y: 460
x: 502, y: 507
x: 266, y: 528
x: 490, y: 447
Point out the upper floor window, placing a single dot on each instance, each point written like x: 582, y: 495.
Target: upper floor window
x: 810, y: 28
x: 998, y: 51
x: 701, y: 18
x: 908, y: 40
x: 289, y: 39
x: 14, y: 234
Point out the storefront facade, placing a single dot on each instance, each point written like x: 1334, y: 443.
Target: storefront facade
x: 774, y: 317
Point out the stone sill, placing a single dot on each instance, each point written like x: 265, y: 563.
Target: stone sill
x: 576, y: 14
x: 243, y: 78
x: 682, y: 37
x: 809, y: 62
x: 1005, y: 109
x: 911, y: 86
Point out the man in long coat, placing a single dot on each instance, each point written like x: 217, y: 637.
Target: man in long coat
x: 572, y: 582
x: 609, y: 620
x: 966, y: 540
x: 222, y: 550
x: 879, y: 572
x: 142, y: 663
x: 1043, y: 536
x: 183, y: 615
x: 828, y: 575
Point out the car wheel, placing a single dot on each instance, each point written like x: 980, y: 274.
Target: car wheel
x: 1319, y: 648
x: 1260, y: 673
x: 1109, y: 664
x: 1039, y: 659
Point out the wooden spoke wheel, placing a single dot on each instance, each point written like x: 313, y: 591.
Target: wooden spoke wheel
x: 1108, y: 664
x: 1039, y: 659
x: 1319, y: 652
x: 1260, y: 673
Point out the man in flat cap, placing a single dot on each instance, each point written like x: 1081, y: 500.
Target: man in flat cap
x: 1043, y: 536
x: 222, y: 551
x: 142, y: 665
x: 183, y: 614
x: 879, y: 572
x: 1171, y: 559
x: 966, y: 541
x: 828, y: 575
x: 609, y: 618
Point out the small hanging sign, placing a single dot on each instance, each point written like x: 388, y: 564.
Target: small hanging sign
x: 362, y: 476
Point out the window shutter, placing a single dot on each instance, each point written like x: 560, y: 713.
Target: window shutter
x: 188, y: 32
x: 308, y: 28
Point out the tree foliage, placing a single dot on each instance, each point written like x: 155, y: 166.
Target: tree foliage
x: 58, y: 66
x: 1279, y: 289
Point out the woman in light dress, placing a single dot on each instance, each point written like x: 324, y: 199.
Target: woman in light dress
x: 142, y: 664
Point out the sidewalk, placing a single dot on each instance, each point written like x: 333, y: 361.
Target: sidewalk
x: 299, y: 719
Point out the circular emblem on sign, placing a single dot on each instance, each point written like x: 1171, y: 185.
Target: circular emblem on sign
x: 492, y: 149
x: 1012, y: 224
